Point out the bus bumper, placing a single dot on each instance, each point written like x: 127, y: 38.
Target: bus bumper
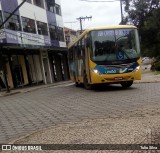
x: 115, y: 78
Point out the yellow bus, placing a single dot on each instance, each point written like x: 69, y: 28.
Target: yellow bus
x: 108, y: 55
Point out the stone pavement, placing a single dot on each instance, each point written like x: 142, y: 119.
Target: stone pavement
x: 148, y: 75
x: 66, y: 114
x: 30, y: 89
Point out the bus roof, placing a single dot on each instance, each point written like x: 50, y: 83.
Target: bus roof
x: 102, y: 28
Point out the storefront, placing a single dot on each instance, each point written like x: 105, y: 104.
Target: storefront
x: 28, y: 67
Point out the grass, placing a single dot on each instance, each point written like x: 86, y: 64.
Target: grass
x: 157, y: 72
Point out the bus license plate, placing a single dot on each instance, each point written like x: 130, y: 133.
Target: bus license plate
x: 118, y: 78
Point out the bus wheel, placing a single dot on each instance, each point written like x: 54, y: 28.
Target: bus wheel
x: 77, y: 84
x: 86, y: 84
x: 127, y: 84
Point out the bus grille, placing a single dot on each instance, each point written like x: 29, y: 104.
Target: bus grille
x: 121, y: 66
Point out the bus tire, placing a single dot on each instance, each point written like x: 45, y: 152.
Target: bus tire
x: 126, y: 84
x: 77, y: 84
x: 86, y: 84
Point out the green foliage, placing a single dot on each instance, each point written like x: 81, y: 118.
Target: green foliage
x: 151, y: 34
x: 157, y: 66
x: 145, y: 14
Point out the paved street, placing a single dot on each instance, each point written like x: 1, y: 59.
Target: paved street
x: 26, y: 113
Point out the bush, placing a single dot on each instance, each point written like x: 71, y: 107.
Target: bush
x: 157, y: 66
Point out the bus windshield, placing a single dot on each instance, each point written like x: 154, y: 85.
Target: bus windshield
x: 114, y: 45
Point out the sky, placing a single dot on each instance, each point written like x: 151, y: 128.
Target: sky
x: 103, y: 13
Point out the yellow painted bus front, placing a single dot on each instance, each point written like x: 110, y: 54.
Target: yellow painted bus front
x: 96, y: 77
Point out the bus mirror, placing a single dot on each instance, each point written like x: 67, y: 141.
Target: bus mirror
x: 87, y: 42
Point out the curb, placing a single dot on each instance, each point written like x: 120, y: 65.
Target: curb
x: 139, y: 82
x: 30, y: 89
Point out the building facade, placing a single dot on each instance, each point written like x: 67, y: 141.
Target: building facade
x: 32, y: 43
x: 70, y: 35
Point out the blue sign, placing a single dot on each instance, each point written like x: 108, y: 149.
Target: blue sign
x: 120, y: 55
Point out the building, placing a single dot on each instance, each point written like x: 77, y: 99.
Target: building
x: 70, y: 35
x: 32, y: 43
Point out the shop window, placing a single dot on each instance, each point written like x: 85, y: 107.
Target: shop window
x: 52, y: 31
x: 60, y: 34
x: 39, y: 3
x: 57, y: 9
x: 28, y: 25
x: 13, y: 23
x: 42, y: 28
x: 50, y: 5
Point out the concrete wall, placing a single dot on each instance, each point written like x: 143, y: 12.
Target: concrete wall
x: 24, y: 71
x: 46, y: 67
x: 38, y: 67
x: 33, y: 12
x: 9, y: 76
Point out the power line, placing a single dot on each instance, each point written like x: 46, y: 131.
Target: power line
x: 83, y: 18
x: 13, y: 13
x: 71, y: 22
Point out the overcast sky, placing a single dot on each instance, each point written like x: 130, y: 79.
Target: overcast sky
x: 102, y: 13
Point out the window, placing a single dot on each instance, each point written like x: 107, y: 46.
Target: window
x: 60, y: 34
x: 114, y: 45
x: 42, y: 28
x: 52, y: 31
x: 50, y: 5
x: 29, y: 1
x: 28, y: 25
x: 13, y: 23
x: 67, y: 39
x: 57, y: 9
x: 39, y: 3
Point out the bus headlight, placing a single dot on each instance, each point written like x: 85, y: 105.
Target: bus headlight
x: 136, y: 69
x: 96, y: 71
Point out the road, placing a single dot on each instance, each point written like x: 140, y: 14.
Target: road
x: 26, y: 113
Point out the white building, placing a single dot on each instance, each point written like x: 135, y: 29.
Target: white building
x: 33, y: 42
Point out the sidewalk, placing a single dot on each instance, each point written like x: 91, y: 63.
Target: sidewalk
x: 148, y: 76
x: 29, y: 89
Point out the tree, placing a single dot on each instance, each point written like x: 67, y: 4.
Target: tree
x: 145, y: 15
x: 140, y: 10
x: 151, y: 34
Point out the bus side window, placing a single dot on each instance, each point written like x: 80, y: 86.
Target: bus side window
x: 78, y: 50
x: 70, y: 54
x: 82, y: 48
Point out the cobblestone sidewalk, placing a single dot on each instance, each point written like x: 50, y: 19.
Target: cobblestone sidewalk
x: 141, y: 127
x: 138, y: 127
x: 29, y: 89
x: 148, y: 76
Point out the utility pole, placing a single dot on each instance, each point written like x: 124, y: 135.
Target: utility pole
x: 83, y: 18
x: 121, y: 12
